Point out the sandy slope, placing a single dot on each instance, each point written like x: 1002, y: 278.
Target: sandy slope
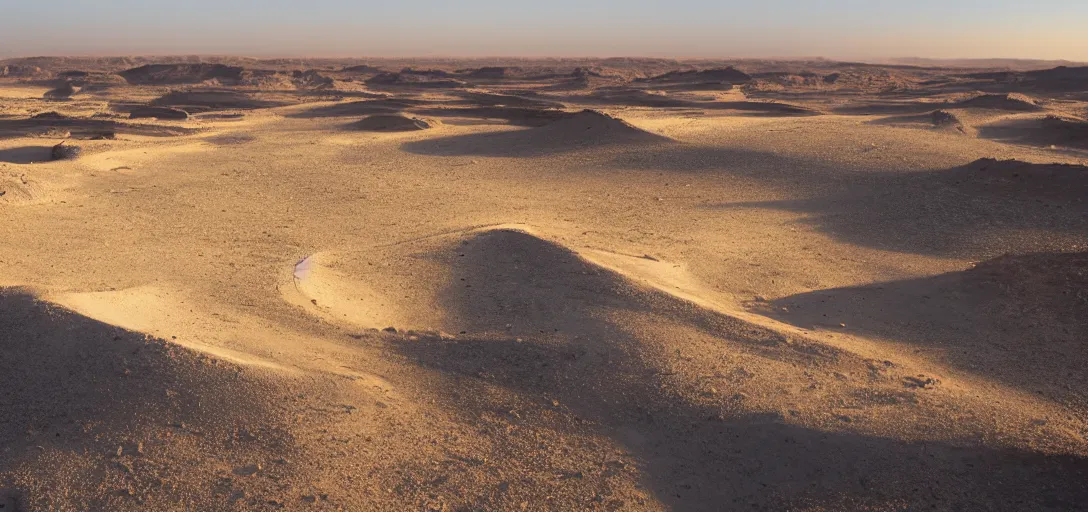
x: 665, y: 309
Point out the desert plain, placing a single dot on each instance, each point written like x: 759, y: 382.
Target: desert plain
x: 612, y: 284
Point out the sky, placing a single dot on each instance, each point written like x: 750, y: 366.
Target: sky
x: 841, y: 29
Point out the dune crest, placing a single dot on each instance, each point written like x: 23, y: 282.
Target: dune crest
x: 594, y: 126
x: 156, y: 312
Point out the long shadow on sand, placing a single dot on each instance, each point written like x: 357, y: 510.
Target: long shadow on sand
x: 26, y: 154
x: 86, y: 404
x: 626, y: 97
x: 696, y: 455
x: 570, y: 132
x: 889, y: 107
x: 521, y: 143
x: 518, y: 116
x: 978, y: 210
x: 82, y: 128
x: 362, y: 108
x: 1021, y: 320
x: 1042, y: 132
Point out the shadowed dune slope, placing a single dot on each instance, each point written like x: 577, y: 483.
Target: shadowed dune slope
x: 509, y: 115
x: 357, y: 108
x: 390, y: 123
x: 489, y: 99
x: 1012, y: 101
x: 683, y: 388
x: 1059, y: 79
x: 967, y: 209
x: 937, y: 119
x: 1052, y: 130
x: 1013, y: 179
x: 727, y: 75
x: 85, y: 398
x: 1039, y: 300
x: 84, y: 128
x: 201, y: 101
x: 723, y: 290
x: 586, y: 129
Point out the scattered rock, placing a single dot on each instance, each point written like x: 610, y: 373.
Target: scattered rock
x: 921, y: 382
x: 52, y: 115
x: 249, y: 470
x: 946, y: 119
x: 63, y: 151
x: 52, y: 133
x: 63, y: 92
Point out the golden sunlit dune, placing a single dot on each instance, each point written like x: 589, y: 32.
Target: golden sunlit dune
x: 619, y: 284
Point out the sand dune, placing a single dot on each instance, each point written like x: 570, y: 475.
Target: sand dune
x: 531, y: 314
x: 1051, y: 130
x: 592, y: 126
x: 63, y: 92
x: 356, y: 108
x: 835, y: 286
x: 1028, y: 295
x: 93, y: 398
x: 509, y: 100
x: 510, y: 115
x: 391, y: 123
x: 1013, y: 101
x: 203, y: 100
x: 85, y: 128
x: 727, y: 75
x: 585, y: 129
x: 1014, y: 179
x: 946, y: 120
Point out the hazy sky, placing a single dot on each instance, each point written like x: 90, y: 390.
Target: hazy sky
x: 1051, y: 29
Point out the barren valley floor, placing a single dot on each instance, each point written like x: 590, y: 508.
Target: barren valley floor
x: 497, y: 289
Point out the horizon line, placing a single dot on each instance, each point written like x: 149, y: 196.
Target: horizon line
x: 864, y: 60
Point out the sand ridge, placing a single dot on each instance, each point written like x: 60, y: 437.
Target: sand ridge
x: 601, y: 285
